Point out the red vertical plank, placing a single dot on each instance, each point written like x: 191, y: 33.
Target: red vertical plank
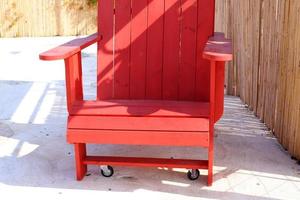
x: 171, y: 49
x: 154, y: 49
x: 122, y: 48
x: 206, y: 12
x: 187, y: 67
x: 138, y: 49
x: 105, y: 50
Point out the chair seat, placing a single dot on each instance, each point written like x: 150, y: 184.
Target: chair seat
x: 152, y: 122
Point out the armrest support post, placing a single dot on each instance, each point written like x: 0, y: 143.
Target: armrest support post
x: 71, y: 53
x: 74, y: 90
x: 218, y: 50
x: 212, y: 120
x: 212, y: 89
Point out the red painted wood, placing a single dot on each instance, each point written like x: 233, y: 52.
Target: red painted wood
x: 218, y: 49
x: 153, y: 108
x: 138, y: 123
x: 105, y: 60
x: 211, y: 122
x: 138, y: 49
x: 171, y: 49
x: 80, y: 156
x: 146, y: 162
x: 154, y: 49
x: 219, y: 84
x: 70, y: 48
x: 166, y: 138
x: 205, y: 21
x: 187, y: 67
x: 73, y: 74
x: 122, y: 49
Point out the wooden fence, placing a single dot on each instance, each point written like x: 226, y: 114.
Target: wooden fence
x: 265, y: 72
x: 47, y: 17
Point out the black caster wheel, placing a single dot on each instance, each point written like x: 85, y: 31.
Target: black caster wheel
x: 107, y: 171
x: 193, y: 174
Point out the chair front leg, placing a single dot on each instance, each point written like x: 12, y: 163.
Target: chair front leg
x: 80, y: 155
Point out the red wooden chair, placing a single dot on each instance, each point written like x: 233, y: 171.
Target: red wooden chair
x: 160, y: 82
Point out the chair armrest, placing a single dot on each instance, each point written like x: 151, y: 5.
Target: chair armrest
x: 218, y: 48
x: 70, y: 48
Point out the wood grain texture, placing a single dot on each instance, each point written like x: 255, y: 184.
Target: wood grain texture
x: 171, y: 46
x: 122, y: 48
x: 139, y: 25
x: 265, y: 70
x: 205, y: 24
x: 105, y: 63
x: 188, y: 56
x: 34, y: 18
x: 154, y: 49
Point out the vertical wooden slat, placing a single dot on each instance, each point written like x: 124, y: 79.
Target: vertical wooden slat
x: 105, y: 75
x: 122, y: 48
x: 187, y: 67
x: 266, y: 40
x: 280, y: 128
x: 138, y: 49
x: 171, y: 49
x: 257, y: 9
x: 154, y: 49
x: 205, y: 24
x: 296, y: 101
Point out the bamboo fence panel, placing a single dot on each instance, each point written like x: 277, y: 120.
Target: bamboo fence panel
x: 47, y: 18
x: 266, y: 69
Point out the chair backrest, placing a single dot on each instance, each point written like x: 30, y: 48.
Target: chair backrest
x: 152, y: 49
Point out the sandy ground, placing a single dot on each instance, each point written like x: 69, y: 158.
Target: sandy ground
x: 36, y: 162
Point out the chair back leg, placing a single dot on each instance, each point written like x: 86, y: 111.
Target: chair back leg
x: 210, y: 157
